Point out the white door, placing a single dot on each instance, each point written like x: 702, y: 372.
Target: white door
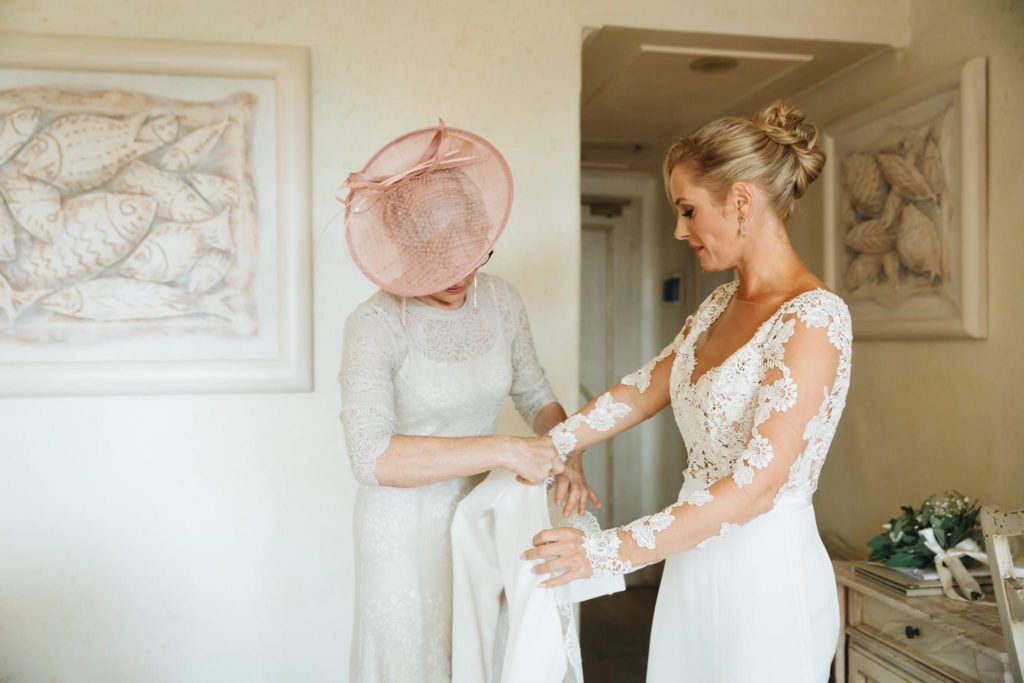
x: 596, y: 346
x: 610, y: 321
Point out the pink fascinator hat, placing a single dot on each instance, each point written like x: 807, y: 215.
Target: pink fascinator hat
x: 426, y: 209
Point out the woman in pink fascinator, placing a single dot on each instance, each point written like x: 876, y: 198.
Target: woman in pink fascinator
x: 428, y: 361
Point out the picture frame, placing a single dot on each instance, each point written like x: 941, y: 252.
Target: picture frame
x: 905, y: 210
x: 176, y: 257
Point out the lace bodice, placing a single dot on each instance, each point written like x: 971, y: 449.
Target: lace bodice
x: 719, y: 414
x: 757, y: 426
x: 441, y: 373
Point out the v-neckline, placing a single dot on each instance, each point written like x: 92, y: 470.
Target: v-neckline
x: 757, y: 332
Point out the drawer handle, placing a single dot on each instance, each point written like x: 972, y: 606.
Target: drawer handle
x: 912, y: 632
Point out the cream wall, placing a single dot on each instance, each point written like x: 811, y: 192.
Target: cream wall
x: 926, y: 416
x: 207, y: 538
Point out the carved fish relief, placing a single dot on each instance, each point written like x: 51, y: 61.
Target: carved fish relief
x: 932, y: 169
x: 871, y: 237
x: 100, y: 229
x: 176, y: 200
x: 217, y: 190
x: 8, y: 299
x: 918, y: 243
x: 118, y: 299
x: 79, y: 152
x: 8, y: 231
x: 172, y: 249
x: 35, y: 205
x: 891, y: 267
x: 209, y: 270
x: 904, y: 177
x: 862, y: 270
x: 193, y: 147
x: 864, y: 183
x: 16, y: 128
x: 162, y: 129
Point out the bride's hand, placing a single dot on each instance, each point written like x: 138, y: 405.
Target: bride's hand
x: 534, y: 459
x: 563, y: 550
x: 571, y: 487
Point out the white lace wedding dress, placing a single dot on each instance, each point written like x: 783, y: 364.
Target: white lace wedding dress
x: 444, y: 373
x: 748, y: 593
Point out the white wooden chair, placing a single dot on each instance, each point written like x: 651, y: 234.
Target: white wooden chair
x: 997, y: 525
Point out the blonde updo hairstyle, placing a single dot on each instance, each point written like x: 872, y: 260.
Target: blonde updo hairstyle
x: 775, y: 149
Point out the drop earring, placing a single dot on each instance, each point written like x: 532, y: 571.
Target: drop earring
x: 403, y: 311
x: 742, y: 232
x: 474, y: 291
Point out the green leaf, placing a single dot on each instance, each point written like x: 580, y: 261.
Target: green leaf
x: 880, y: 541
x: 906, y: 560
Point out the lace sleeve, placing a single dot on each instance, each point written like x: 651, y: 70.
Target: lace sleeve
x: 626, y: 404
x: 641, y: 379
x: 531, y: 390
x: 802, y: 394
x: 367, y: 393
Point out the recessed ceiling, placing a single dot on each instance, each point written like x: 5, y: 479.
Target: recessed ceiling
x: 643, y: 89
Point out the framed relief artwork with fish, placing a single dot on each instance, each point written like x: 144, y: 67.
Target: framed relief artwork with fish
x: 154, y: 220
x: 905, y: 214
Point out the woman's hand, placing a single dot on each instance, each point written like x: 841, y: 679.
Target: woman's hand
x: 563, y: 550
x: 534, y: 459
x: 571, y: 487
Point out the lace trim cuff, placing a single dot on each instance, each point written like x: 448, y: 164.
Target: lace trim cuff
x: 602, y: 550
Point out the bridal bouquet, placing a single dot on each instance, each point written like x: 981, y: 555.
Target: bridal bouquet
x: 943, y: 532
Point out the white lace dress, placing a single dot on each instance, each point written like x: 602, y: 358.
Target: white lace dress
x: 444, y: 373
x: 748, y: 593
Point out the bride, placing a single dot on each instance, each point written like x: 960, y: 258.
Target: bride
x: 757, y: 379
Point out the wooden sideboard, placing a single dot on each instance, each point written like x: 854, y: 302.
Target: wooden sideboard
x: 888, y: 638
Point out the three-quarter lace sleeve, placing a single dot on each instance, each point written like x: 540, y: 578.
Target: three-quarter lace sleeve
x: 531, y: 390
x: 367, y: 371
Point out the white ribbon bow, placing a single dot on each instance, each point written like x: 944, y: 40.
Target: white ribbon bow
x: 949, y: 566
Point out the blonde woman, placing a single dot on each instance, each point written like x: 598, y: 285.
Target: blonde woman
x: 757, y: 380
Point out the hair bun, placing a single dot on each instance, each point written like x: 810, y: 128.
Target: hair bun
x: 784, y: 124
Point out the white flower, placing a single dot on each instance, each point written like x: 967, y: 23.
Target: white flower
x: 774, y: 347
x: 661, y: 520
x: 643, y: 529
x: 698, y: 498
x: 564, y: 441
x: 642, y: 534
x: 781, y: 394
x: 600, y: 420
x: 602, y: 417
x: 814, y: 316
x: 838, y: 336
x: 759, y: 453
x: 743, y: 476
